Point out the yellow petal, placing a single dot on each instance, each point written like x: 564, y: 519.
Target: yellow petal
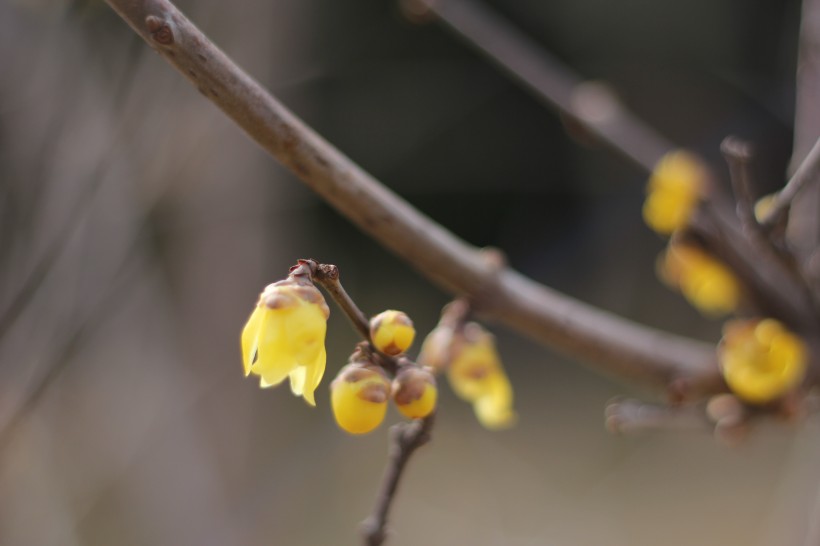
x: 313, y: 377
x: 297, y: 380
x: 304, y: 333
x: 273, y: 363
x: 250, y: 337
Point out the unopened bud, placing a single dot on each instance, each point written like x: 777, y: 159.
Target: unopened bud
x: 415, y: 392
x: 358, y: 397
x: 392, y: 332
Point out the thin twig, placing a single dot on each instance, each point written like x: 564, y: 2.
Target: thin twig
x: 596, y: 107
x: 405, y: 438
x: 627, y: 416
x: 613, y: 344
x: 803, y: 231
x: 327, y: 276
x: 807, y: 172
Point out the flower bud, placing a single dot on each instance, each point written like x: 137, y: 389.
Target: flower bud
x: 358, y: 397
x: 674, y: 188
x: 392, y: 332
x: 761, y: 360
x: 414, y: 392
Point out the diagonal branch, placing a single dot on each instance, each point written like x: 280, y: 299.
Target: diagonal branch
x: 612, y: 344
x: 546, y: 77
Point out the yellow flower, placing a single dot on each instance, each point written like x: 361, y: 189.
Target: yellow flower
x: 414, y: 392
x: 705, y: 282
x: 477, y: 376
x: 392, y: 332
x: 761, y: 360
x: 674, y: 188
x: 285, y: 336
x: 358, y: 397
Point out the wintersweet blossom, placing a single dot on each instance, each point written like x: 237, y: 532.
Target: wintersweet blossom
x: 761, y: 360
x: 674, y: 188
x: 285, y: 337
x: 704, y: 281
x: 477, y: 376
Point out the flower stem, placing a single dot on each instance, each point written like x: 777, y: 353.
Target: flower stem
x: 405, y: 438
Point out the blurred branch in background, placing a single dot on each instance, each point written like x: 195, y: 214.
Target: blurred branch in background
x: 591, y: 103
x: 614, y: 345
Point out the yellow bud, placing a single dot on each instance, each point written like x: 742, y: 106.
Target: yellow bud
x: 392, y: 332
x: 674, y: 188
x: 358, y: 397
x: 705, y: 282
x: 761, y: 360
x: 284, y: 337
x: 414, y: 392
x: 764, y: 206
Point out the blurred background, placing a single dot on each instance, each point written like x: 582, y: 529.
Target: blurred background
x: 139, y: 225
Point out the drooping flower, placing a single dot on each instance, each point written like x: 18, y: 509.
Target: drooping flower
x: 761, y: 360
x: 477, y: 376
x: 704, y: 281
x: 676, y: 184
x: 285, y: 336
x: 392, y: 332
x: 358, y: 397
x: 414, y: 392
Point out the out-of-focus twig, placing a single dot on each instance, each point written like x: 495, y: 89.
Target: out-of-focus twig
x: 806, y: 173
x: 738, y: 154
x: 593, y: 104
x: 803, y: 230
x: 613, y: 344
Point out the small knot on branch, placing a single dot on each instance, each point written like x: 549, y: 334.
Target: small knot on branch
x: 160, y: 30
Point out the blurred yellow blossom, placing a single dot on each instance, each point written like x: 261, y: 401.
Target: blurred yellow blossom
x: 764, y: 206
x: 414, y: 392
x: 285, y: 337
x: 477, y: 375
x: 761, y: 360
x: 392, y: 332
x: 705, y: 282
x: 358, y: 397
x: 674, y: 188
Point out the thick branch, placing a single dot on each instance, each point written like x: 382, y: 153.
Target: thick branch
x: 549, y: 80
x: 613, y: 344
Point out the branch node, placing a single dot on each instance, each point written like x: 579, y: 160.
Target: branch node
x: 160, y: 30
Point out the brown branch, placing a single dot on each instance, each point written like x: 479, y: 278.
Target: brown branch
x: 807, y: 172
x: 738, y: 155
x: 549, y: 80
x: 405, y: 438
x: 614, y: 345
x: 327, y: 276
x: 803, y: 230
